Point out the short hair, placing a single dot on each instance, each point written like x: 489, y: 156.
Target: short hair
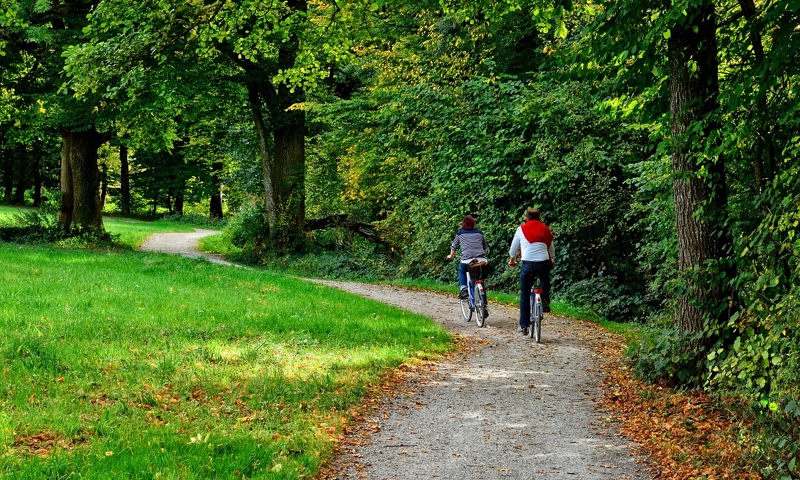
x: 533, y: 214
x: 468, y: 222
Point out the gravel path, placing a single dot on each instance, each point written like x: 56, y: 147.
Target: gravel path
x: 184, y: 244
x: 509, y: 408
x: 506, y: 408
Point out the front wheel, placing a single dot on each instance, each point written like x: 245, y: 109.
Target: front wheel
x: 480, y: 306
x: 466, y: 311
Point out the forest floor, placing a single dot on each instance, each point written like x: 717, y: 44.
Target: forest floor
x: 506, y: 407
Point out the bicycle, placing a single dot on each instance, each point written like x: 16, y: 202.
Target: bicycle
x: 537, y: 309
x: 476, y: 294
x: 537, y: 312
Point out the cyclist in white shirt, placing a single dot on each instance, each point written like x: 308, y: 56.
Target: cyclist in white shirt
x: 533, y: 242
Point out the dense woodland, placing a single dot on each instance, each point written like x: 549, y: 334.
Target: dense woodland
x: 660, y: 139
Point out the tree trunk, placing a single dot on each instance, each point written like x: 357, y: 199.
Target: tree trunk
x: 124, y: 181
x: 764, y: 146
x: 37, y: 181
x: 699, y: 200
x: 284, y: 167
x: 22, y: 170
x: 103, y: 185
x: 267, y: 163
x: 179, y: 203
x: 215, y: 209
x: 289, y: 132
x: 80, y: 179
x: 290, y: 171
x: 8, y: 175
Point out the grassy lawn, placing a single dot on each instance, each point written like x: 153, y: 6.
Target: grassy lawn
x: 132, y: 232
x: 8, y: 212
x: 130, y: 365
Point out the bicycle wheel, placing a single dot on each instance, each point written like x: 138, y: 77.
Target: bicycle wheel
x: 466, y: 311
x: 537, y: 324
x: 480, y: 306
x: 532, y: 325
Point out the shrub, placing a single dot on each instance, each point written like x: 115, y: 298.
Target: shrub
x: 249, y: 230
x: 607, y: 298
x: 660, y: 357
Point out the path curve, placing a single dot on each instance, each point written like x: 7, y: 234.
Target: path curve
x: 506, y: 408
x: 184, y: 244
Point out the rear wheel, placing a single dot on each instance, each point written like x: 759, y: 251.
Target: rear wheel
x: 537, y: 324
x: 532, y: 325
x: 466, y: 311
x: 480, y: 306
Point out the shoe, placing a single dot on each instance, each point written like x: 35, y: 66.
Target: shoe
x: 523, y: 331
x: 546, y: 309
x: 485, y: 312
x: 463, y: 295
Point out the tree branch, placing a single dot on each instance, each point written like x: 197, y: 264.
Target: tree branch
x: 363, y: 229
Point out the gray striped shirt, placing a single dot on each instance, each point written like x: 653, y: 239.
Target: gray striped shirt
x: 471, y: 242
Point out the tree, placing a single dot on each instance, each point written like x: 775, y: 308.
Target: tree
x: 699, y: 187
x: 275, y: 50
x: 37, y: 34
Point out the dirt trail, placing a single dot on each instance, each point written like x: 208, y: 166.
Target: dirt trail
x: 184, y: 244
x: 507, y: 408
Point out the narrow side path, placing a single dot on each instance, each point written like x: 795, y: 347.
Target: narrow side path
x: 509, y: 408
x: 184, y: 244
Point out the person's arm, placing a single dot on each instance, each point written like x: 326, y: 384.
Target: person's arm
x: 454, y: 247
x: 514, y: 250
x: 552, y: 252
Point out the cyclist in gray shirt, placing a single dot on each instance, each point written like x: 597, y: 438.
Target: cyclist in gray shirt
x: 473, y: 246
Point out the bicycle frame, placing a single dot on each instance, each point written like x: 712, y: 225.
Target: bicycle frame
x: 471, y: 289
x: 474, y: 302
x: 537, y: 313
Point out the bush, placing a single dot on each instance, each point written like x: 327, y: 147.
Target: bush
x: 660, y: 357
x: 249, y: 231
x: 607, y: 298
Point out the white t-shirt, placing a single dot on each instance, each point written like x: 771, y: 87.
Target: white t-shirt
x: 530, y: 252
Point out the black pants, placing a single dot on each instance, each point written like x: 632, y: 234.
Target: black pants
x: 528, y: 273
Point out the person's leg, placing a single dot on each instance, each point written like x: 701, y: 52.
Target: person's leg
x: 545, y: 276
x: 525, y: 284
x: 462, y: 276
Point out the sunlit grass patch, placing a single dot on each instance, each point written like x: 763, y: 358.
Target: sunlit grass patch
x: 131, y: 365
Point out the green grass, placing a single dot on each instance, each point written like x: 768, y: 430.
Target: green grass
x: 130, y: 365
x: 218, y: 244
x: 7, y: 212
x: 131, y: 232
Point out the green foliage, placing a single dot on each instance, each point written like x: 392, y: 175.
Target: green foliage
x: 358, y: 259
x: 608, y: 298
x: 249, y: 231
x: 196, y: 219
x: 760, y: 356
x: 659, y: 356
